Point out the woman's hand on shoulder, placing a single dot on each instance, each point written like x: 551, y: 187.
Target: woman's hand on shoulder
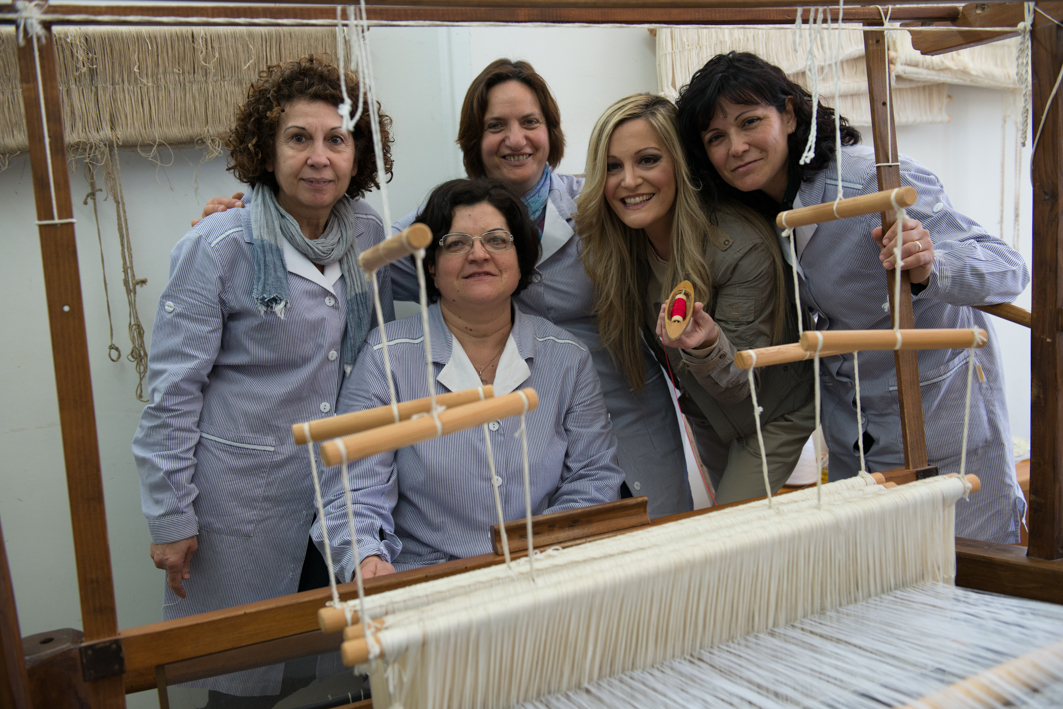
x: 375, y: 566
x: 220, y: 204
x: 700, y: 332
x: 917, y: 250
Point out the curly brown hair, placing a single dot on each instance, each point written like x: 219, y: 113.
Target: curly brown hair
x: 252, y: 140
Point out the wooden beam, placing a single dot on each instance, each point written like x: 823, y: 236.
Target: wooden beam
x: 644, y: 14
x: 1046, y: 344
x: 884, y: 133
x: 1010, y: 312
x: 1005, y: 568
x: 14, y: 683
x: 973, y: 16
x: 66, y: 318
x: 557, y: 528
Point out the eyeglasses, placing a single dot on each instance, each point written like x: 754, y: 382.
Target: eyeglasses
x: 493, y: 240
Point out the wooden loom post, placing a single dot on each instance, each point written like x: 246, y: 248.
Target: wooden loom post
x: 1046, y: 347
x: 14, y: 683
x: 889, y: 177
x: 66, y: 319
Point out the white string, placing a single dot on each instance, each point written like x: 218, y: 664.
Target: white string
x: 384, y: 346
x: 760, y: 435
x: 267, y: 21
x: 816, y: 437
x: 418, y: 257
x: 788, y: 232
x: 836, y: 67
x: 321, y: 519
x: 901, y: 218
x: 369, y: 79
x: 859, y: 414
x: 815, y: 31
x: 495, y: 482
x: 885, y: 14
x: 975, y: 341
x: 527, y: 485
x: 30, y: 27
x: 368, y: 628
x: 1022, y: 69
x: 352, y: 39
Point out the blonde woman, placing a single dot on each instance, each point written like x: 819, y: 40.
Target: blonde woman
x: 645, y: 229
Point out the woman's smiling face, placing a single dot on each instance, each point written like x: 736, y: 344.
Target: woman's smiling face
x: 747, y: 144
x: 515, y: 143
x: 640, y: 176
x: 478, y: 278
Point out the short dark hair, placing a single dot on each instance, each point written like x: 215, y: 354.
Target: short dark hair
x: 746, y: 79
x: 438, y: 214
x: 474, y: 110
x: 251, y: 141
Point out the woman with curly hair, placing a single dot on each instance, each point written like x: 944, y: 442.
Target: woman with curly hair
x: 644, y: 230
x: 261, y: 320
x: 746, y: 124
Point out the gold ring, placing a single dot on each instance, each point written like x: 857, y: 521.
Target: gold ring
x: 920, y: 247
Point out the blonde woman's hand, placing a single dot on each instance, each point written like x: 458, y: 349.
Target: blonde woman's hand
x: 220, y: 204
x: 701, y: 330
x: 917, y: 250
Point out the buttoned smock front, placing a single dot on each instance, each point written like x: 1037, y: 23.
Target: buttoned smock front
x: 214, y: 446
x: 433, y: 501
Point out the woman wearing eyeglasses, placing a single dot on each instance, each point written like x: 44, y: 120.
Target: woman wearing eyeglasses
x: 433, y: 501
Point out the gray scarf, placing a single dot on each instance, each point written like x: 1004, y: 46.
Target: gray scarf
x: 269, y: 222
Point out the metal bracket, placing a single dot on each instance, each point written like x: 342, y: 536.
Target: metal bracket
x: 102, y: 660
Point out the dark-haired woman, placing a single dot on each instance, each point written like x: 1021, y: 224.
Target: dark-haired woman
x: 747, y: 125
x: 511, y: 130
x: 433, y: 501
x: 263, y: 315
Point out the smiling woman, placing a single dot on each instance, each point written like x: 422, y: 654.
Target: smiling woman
x: 433, y: 501
x: 644, y: 231
x: 264, y: 312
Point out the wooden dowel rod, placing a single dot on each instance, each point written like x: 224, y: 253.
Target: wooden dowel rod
x: 919, y: 339
x: 878, y: 478
x: 1008, y: 311
x: 353, y: 632
x: 972, y: 480
x: 851, y: 207
x: 407, y: 433
x: 354, y: 652
x: 357, y: 421
x: 1032, y: 671
x: 332, y: 620
x: 777, y: 354
x: 410, y: 239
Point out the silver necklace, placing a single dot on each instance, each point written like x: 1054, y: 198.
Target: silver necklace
x: 480, y: 372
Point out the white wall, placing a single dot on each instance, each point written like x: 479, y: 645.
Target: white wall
x: 422, y: 73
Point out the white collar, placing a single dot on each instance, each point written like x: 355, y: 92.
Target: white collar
x: 459, y: 374
x: 556, y: 232
x: 302, y: 266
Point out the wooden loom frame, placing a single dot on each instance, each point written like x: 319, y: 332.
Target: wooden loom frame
x: 268, y: 627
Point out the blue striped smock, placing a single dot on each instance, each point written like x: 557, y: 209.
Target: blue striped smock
x: 432, y: 502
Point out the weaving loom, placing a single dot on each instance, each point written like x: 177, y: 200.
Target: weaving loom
x: 501, y: 636
x: 149, y: 650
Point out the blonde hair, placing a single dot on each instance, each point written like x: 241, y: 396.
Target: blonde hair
x: 615, y: 255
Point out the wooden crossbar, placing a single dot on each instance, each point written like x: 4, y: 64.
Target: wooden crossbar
x: 413, y: 238
x: 845, y: 208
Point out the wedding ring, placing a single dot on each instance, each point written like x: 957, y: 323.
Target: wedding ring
x: 920, y: 247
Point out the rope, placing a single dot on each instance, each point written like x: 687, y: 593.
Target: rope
x: 527, y: 485
x: 836, y: 67
x: 816, y: 437
x: 898, y: 244
x: 495, y: 482
x: 321, y: 519
x: 859, y: 414
x: 975, y: 341
x: 1022, y: 68
x: 815, y: 32
x: 797, y: 284
x: 757, y: 411
x: 138, y: 350
x: 367, y: 627
x: 113, y: 353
